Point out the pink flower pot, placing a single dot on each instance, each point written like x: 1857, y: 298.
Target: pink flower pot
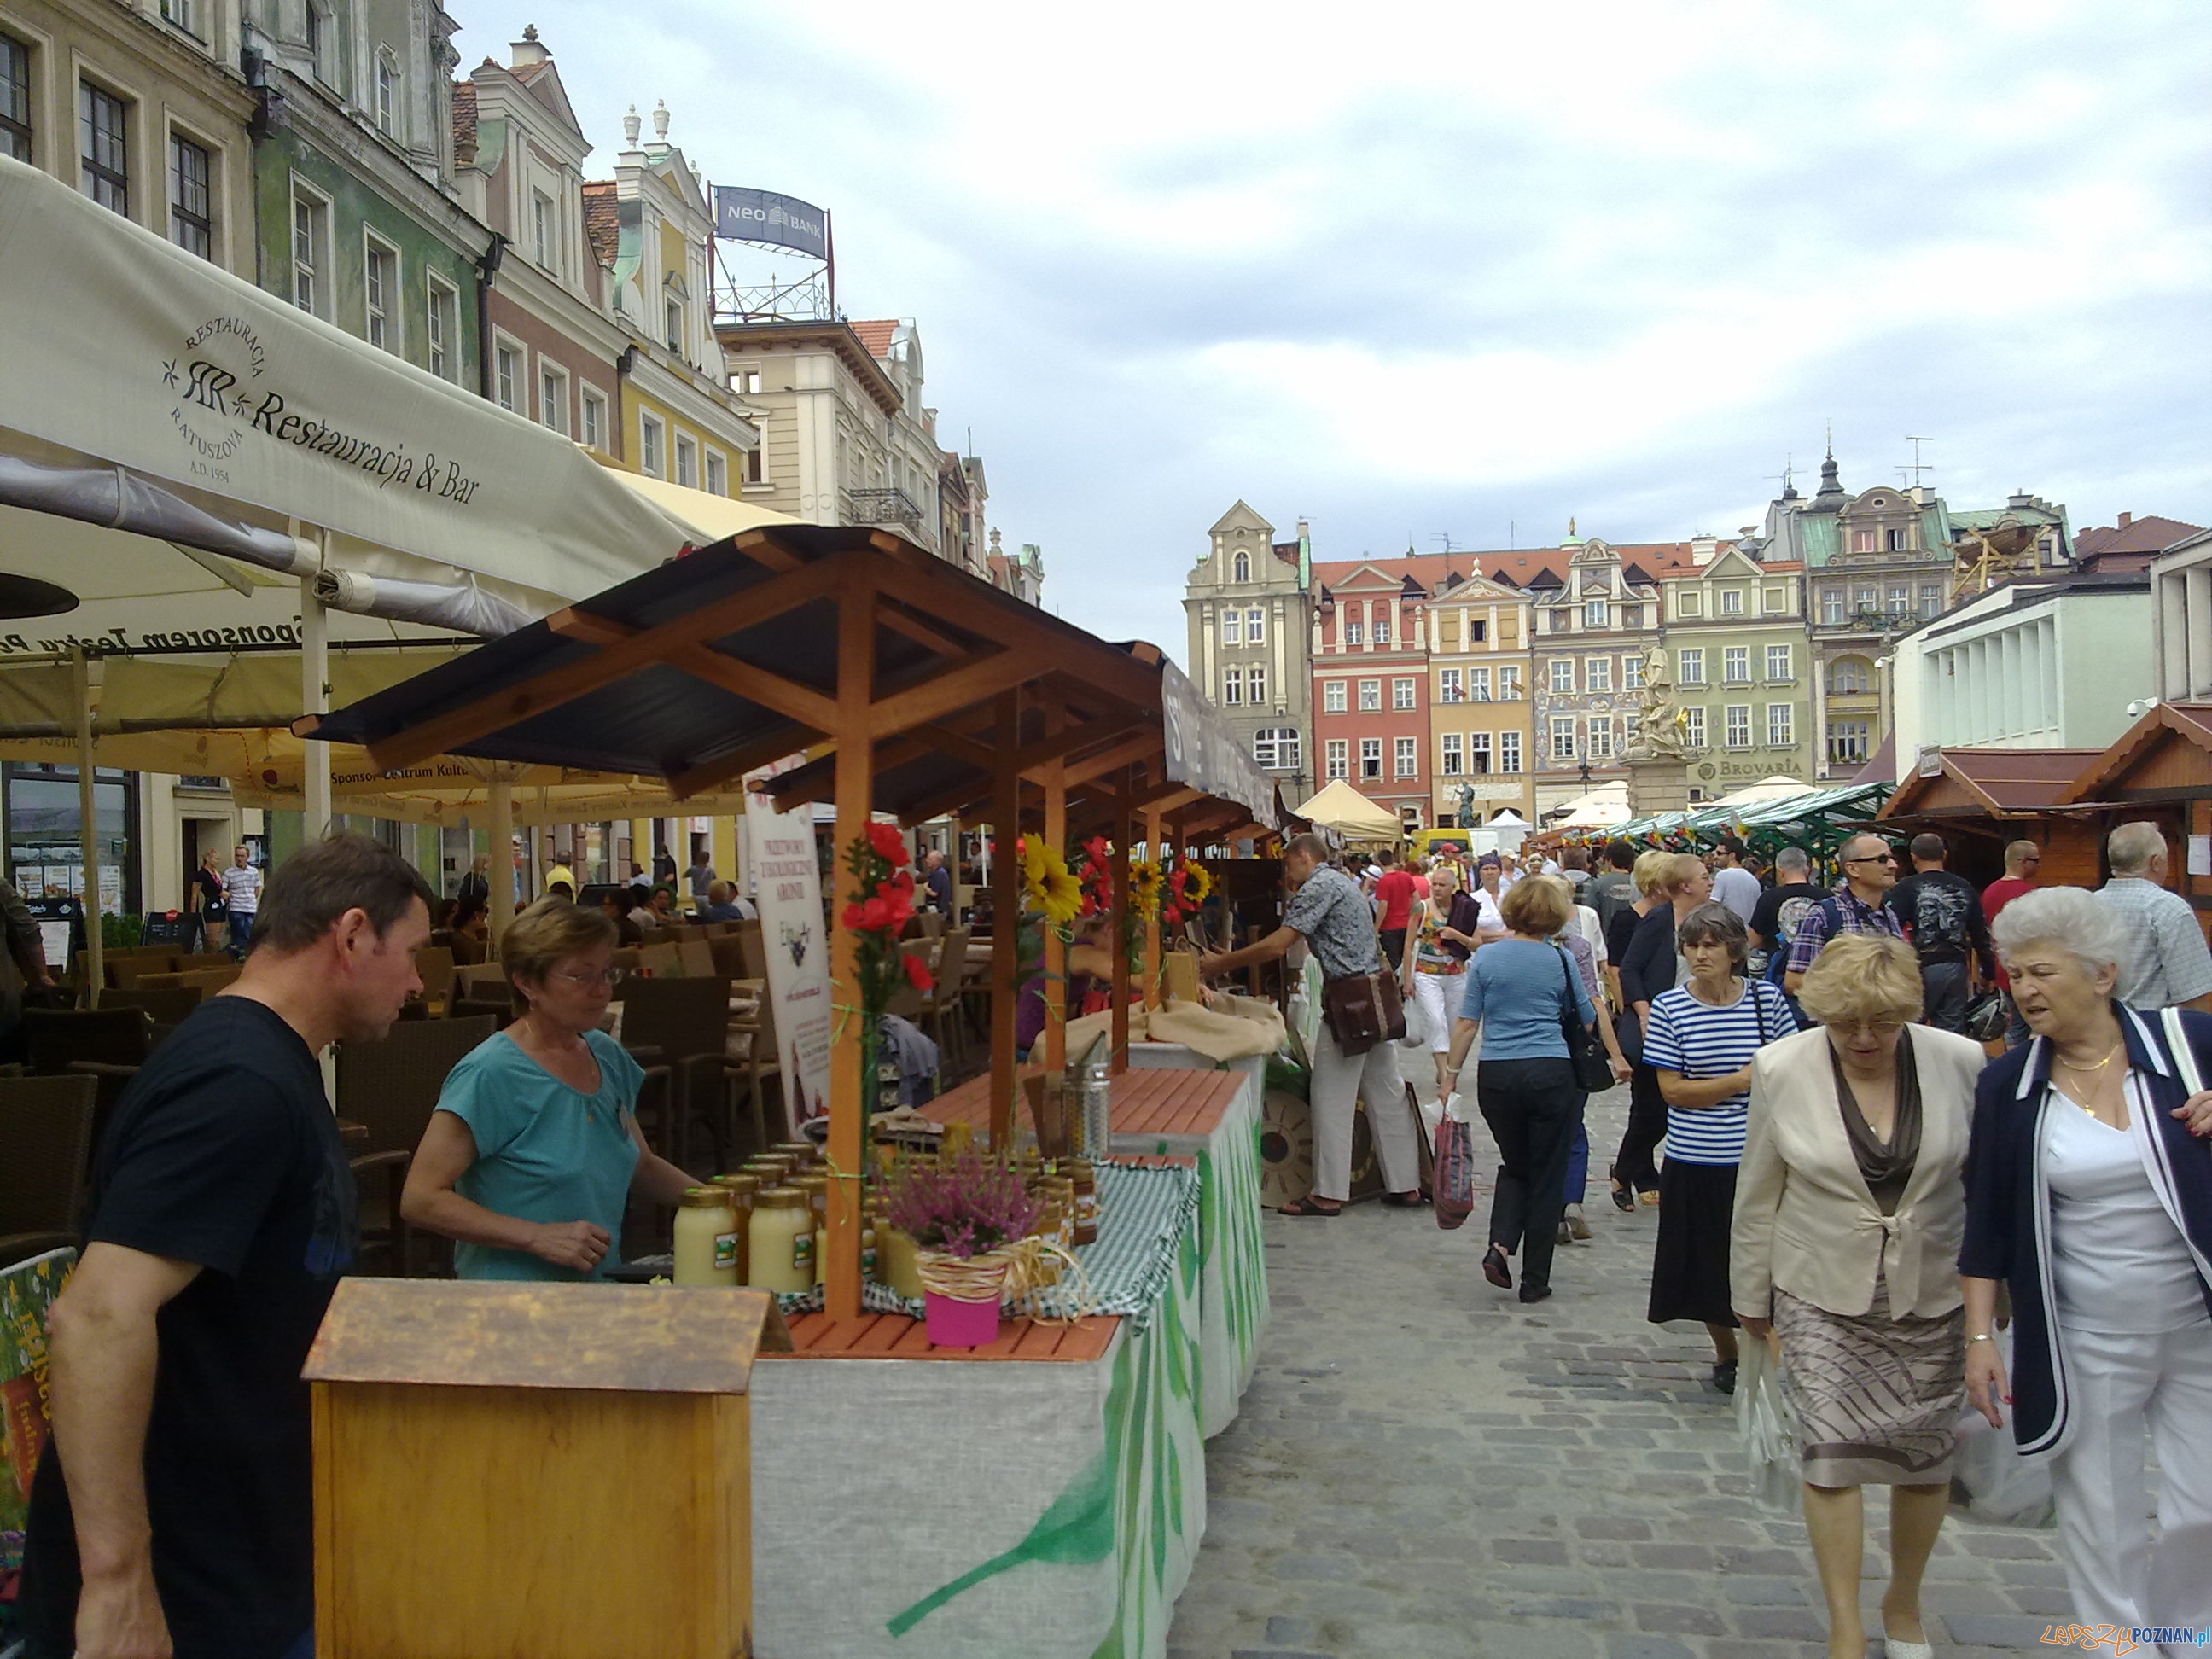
x: 952, y: 1323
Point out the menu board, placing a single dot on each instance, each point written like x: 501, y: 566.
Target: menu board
x: 28, y: 1289
x: 787, y: 889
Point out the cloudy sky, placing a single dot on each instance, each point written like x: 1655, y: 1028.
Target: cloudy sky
x: 1467, y: 269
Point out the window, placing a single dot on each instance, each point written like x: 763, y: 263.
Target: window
x: 315, y: 34
x: 1691, y: 604
x: 1508, y: 682
x: 1690, y: 668
x: 1242, y: 569
x: 1477, y: 752
x: 1595, y: 612
x: 1558, y: 621
x: 1781, y: 725
x: 675, y: 319
x: 1454, y: 756
x: 379, y: 287
x: 191, y: 205
x: 1863, y: 598
x: 745, y: 381
x: 1508, y: 751
x: 1370, y: 695
x: 1256, y: 681
x: 1332, y: 697
x: 1563, y: 737
x: 1831, y: 605
x: 441, y: 318
x: 311, y: 251
x: 1847, y: 742
x: 15, y: 99
x: 652, y: 447
x: 1931, y: 598
x: 1354, y: 634
x: 1233, y: 628
x: 179, y: 12
x: 1477, y: 685
x: 1276, y: 747
x: 1401, y: 694
x: 1601, y: 737
x: 1778, y: 663
x: 1598, y: 674
x: 1408, y: 757
x: 1562, y: 671
x: 544, y: 234
x: 1736, y: 728
x: 1848, y: 678
x: 1382, y: 628
x: 1631, y: 615
x: 1451, y: 686
x: 1256, y: 628
x: 1632, y: 672
x: 718, y: 473
x: 507, y: 369
x: 1694, y: 727
x: 1862, y: 541
x: 1732, y: 602
x: 103, y: 122
x: 1900, y: 598
x: 1735, y: 665
x: 1371, y: 757
x: 1900, y: 541
x: 1232, y: 687
x: 687, y: 462
x: 387, y: 96
x: 1339, y: 765
x: 552, y: 398
x: 595, y: 420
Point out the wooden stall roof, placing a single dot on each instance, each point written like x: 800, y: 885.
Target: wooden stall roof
x: 2165, y: 754
x: 1989, y: 783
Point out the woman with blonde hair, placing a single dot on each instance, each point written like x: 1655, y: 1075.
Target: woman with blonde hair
x: 1445, y: 928
x: 1849, y: 1213
x: 531, y: 1156
x: 1672, y: 885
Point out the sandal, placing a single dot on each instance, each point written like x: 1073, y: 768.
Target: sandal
x: 1624, y: 1199
x: 1307, y: 1205
x: 1407, y: 1200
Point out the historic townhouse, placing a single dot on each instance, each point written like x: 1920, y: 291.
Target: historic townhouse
x: 1248, y: 617
x: 1478, y: 637
x: 1736, y: 640
x: 1370, y: 674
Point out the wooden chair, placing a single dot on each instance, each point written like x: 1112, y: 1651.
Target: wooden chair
x: 45, y: 1157
x: 210, y: 980
x: 663, y: 961
x: 469, y: 951
x: 684, y: 1024
x: 697, y: 956
x: 941, y: 1008
x: 199, y: 959
x: 728, y: 950
x: 392, y: 1087
x: 53, y: 1037
x: 484, y: 981
x: 752, y: 944
x: 436, y: 967
x: 756, y: 1061
x: 165, y: 1004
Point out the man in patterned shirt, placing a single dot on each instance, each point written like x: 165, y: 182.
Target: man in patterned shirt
x: 1337, y: 922
x: 2167, y: 964
x: 1856, y: 906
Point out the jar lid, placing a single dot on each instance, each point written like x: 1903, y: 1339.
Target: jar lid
x: 705, y: 1198
x: 745, y: 1181
x: 781, y: 1197
x: 804, y: 1151
x: 811, y: 1182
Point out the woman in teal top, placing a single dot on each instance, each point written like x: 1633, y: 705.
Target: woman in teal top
x: 533, y: 1151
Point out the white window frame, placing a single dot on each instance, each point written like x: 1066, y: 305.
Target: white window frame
x: 315, y: 267
x: 591, y: 406
x: 717, y: 477
x: 1406, y: 758
x: 1256, y: 627
x: 1451, y: 685
x: 1402, y: 695
x: 1508, y: 682
x: 553, y: 376
x: 1232, y: 627
x: 388, y: 93
x: 1781, y: 725
x: 1240, y: 569
x: 1690, y: 666
x: 1597, y: 614
x: 441, y: 329
x: 1598, y: 674
x: 510, y: 367
x: 1477, y: 685
x: 1355, y: 633
x: 1731, y: 601
x: 381, y: 313
x: 1735, y: 726
x: 745, y: 379
x: 1277, y: 748
x: 1562, y: 737
x: 1370, y: 755
x: 1452, y: 756
x: 545, y: 231
x: 1370, y: 696
x: 1561, y: 670
x: 1781, y: 663
x: 1735, y: 665
x: 1631, y: 671
x: 1337, y: 757
x: 1232, y: 687
x: 1332, y: 698
x: 1256, y: 684
x: 1381, y: 627
x: 1509, y: 753
x: 755, y: 466
x: 1833, y: 607
x: 687, y: 461
x: 652, y: 445
x: 1694, y: 727
x: 1600, y: 746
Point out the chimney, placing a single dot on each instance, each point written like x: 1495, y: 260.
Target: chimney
x: 527, y: 52
x: 2126, y: 518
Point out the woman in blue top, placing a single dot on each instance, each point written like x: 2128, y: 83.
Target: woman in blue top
x: 1701, y: 1041
x: 534, y: 1149
x: 1519, y: 989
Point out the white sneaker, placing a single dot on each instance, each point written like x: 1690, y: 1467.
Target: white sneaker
x: 1577, y: 1226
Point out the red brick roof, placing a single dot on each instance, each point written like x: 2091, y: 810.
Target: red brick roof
x: 876, y: 335
x: 602, y: 224
x: 1539, y: 566
x: 2129, y: 546
x: 464, y: 118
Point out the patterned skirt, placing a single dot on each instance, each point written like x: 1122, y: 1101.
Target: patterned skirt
x: 1877, y: 1399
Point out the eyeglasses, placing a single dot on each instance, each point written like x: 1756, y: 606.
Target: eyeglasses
x: 609, y: 977
x: 1874, y: 858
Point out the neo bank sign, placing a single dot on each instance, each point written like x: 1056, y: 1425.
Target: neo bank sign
x: 761, y: 216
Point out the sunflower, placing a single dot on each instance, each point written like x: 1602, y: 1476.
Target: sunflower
x: 1145, y: 887
x: 1051, y: 888
x: 1199, y: 884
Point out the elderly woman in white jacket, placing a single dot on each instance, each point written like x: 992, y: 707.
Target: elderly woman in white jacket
x: 1848, y: 1212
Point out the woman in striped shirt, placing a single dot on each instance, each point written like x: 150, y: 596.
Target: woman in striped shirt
x: 1701, y: 1041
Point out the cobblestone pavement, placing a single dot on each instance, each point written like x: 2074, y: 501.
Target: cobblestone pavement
x: 1424, y: 1469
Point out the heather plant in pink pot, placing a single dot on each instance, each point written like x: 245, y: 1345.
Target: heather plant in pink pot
x: 963, y: 1214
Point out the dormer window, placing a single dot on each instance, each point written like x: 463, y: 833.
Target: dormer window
x: 544, y: 234
x: 676, y: 326
x: 1244, y: 567
x: 387, y: 96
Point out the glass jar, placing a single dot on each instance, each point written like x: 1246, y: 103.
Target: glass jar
x: 783, y: 1241
x: 706, y: 1241
x: 803, y: 1154
x: 1083, y: 1174
x: 901, y: 1262
x: 744, y: 1189
x: 773, y: 1168
x: 817, y: 1188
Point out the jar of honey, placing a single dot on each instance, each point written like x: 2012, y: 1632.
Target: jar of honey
x: 783, y: 1241
x: 803, y: 1154
x: 1083, y: 1174
x: 706, y: 1242
x: 744, y: 1188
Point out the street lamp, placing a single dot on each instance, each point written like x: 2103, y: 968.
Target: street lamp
x: 1584, y: 769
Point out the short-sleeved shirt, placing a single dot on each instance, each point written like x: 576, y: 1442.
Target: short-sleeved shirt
x: 1700, y: 1040
x: 545, y: 1152
x: 1780, y: 909
x: 1995, y: 896
x: 242, y: 888
x: 222, y: 1152
x: 2167, y: 963
x: 1738, y: 889
x: 700, y: 877
x: 1608, y: 893
x: 1338, y: 921
x: 1942, y: 916
x: 1518, y: 989
x: 1395, y: 893
x: 1852, y: 915
x: 939, y: 884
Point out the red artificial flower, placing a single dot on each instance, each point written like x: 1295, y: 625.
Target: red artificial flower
x: 854, y: 918
x: 889, y: 844
x: 900, y: 883
x: 1099, y: 850
x: 917, y: 972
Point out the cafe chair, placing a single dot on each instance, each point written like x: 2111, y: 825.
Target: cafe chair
x: 684, y: 1023
x: 390, y: 1087
x: 53, y: 1037
x: 45, y: 1159
x: 165, y: 1004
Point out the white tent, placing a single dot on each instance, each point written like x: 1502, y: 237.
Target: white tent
x: 1344, y: 809
x: 1766, y: 789
x: 1602, y: 808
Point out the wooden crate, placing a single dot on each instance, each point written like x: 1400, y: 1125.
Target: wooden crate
x: 513, y: 1471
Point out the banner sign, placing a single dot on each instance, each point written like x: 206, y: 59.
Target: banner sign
x: 28, y: 1289
x: 1203, y: 752
x: 780, y: 857
x: 761, y: 216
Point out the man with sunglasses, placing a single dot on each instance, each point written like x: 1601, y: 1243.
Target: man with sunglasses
x: 2023, y: 858
x: 1856, y: 906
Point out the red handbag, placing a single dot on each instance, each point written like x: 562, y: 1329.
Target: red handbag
x: 1455, y: 1177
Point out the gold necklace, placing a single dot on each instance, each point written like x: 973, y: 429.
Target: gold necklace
x: 2086, y: 1071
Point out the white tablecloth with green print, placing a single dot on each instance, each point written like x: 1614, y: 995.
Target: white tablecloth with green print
x: 961, y: 1509
x: 1235, y: 1276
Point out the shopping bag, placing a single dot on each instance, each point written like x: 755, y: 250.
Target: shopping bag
x: 2002, y: 1487
x: 1455, y: 1177
x: 1766, y: 1424
x: 1417, y: 1025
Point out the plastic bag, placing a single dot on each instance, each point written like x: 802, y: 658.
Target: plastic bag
x: 1455, y: 1177
x: 2002, y: 1487
x: 1417, y: 1025
x: 1766, y: 1424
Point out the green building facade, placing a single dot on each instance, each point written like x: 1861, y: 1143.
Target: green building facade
x: 1736, y: 641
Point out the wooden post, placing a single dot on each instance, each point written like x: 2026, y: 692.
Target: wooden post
x: 87, y: 829
x: 1005, y: 914
x: 1054, y: 776
x: 1153, y: 850
x: 856, y: 757
x: 1124, y: 837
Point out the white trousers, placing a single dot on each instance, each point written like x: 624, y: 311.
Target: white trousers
x: 1339, y: 1081
x: 1440, y: 996
x: 2128, y: 1389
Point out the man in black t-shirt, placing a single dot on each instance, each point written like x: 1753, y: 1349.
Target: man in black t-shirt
x: 174, y: 1504
x: 1774, y: 918
x: 1942, y: 915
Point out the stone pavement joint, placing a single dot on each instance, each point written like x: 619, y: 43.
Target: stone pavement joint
x: 1424, y: 1467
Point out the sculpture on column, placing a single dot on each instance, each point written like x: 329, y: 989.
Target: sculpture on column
x: 1660, y: 723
